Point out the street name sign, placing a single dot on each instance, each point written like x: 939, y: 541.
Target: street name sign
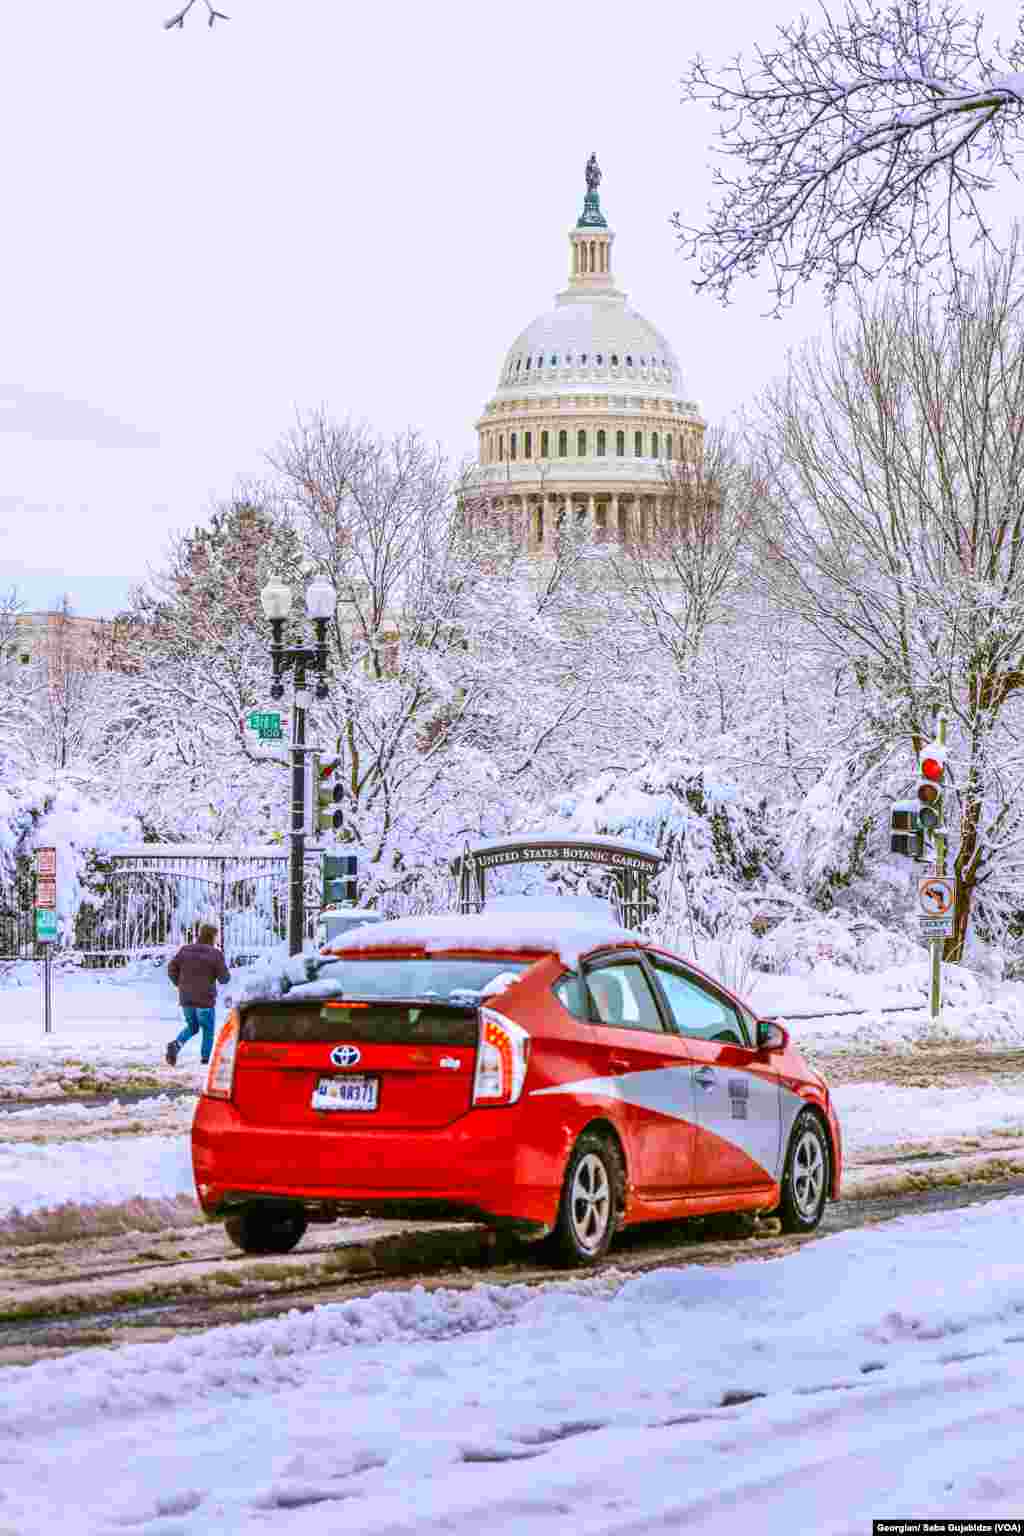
x: 267, y: 724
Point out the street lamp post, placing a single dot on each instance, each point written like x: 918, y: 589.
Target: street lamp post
x: 321, y: 601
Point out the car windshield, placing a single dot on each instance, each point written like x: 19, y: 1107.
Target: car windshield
x: 448, y: 980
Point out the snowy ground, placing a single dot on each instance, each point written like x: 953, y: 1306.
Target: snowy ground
x: 871, y: 1374
x: 876, y: 1373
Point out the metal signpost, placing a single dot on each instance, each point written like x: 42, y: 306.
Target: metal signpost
x: 932, y: 912
x: 46, y: 924
x: 913, y: 823
x: 936, y: 907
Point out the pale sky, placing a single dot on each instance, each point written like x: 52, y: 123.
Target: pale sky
x: 319, y: 202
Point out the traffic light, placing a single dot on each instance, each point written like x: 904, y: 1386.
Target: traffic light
x: 905, y: 833
x: 330, y: 794
x: 931, y: 767
x: 340, y: 883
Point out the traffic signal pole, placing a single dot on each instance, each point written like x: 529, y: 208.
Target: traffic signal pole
x: 935, y: 996
x: 321, y: 606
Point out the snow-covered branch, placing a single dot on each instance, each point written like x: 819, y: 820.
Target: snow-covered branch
x: 179, y: 17
x: 864, y: 142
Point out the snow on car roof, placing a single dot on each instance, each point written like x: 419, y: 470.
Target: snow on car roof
x: 569, y: 934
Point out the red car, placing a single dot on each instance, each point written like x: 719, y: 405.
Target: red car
x: 537, y: 1072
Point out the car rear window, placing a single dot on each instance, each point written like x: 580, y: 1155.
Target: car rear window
x: 448, y: 980
x: 309, y: 1023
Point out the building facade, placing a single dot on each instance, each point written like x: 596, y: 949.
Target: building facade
x: 589, y: 421
x: 59, y: 639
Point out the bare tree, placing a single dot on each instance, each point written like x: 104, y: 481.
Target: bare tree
x: 681, y: 568
x: 369, y: 513
x: 18, y: 685
x: 179, y: 17
x: 193, y: 661
x: 458, y: 665
x: 864, y: 140
x: 896, y: 532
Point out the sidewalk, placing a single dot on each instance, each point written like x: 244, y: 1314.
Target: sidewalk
x: 134, y: 1004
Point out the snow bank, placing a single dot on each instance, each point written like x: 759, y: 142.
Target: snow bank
x: 874, y: 1370
x: 885, y: 1114
x: 141, y: 1109
x: 34, y: 1178
x: 70, y: 1220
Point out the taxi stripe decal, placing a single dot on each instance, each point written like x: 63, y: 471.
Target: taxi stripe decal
x: 669, y: 1091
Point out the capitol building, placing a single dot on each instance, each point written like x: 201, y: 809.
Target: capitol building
x: 588, y: 426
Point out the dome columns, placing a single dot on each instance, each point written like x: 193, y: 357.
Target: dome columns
x: 535, y: 520
x: 590, y: 260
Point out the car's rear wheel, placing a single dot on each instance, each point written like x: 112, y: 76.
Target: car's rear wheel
x: 588, y: 1211
x: 805, y: 1178
x: 266, y: 1228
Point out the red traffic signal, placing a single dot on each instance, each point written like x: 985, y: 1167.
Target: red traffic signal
x: 932, y: 767
x: 933, y: 763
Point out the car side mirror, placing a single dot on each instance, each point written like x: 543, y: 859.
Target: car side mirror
x: 771, y: 1036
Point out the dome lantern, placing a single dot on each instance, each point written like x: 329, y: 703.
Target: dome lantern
x: 590, y: 246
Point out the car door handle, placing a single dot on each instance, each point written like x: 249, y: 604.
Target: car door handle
x: 619, y: 1063
x: 705, y: 1076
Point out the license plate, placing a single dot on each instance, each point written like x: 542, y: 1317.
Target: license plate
x: 357, y: 1092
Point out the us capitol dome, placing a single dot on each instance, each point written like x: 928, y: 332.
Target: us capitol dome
x: 589, y: 413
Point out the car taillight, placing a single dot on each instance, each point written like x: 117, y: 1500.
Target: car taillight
x: 220, y: 1079
x: 501, y: 1059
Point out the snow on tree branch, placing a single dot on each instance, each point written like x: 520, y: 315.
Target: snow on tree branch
x: 864, y: 142
x: 212, y: 16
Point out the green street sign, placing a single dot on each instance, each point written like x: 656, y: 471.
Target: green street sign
x: 46, y: 926
x: 267, y: 725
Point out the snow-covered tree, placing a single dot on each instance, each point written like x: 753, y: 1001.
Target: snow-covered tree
x: 863, y: 141
x: 681, y: 570
x: 461, y: 681
x: 895, y: 532
x: 196, y: 662
x: 17, y: 688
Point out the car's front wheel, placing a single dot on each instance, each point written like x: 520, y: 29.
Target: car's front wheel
x: 265, y: 1228
x: 588, y: 1211
x: 805, y: 1179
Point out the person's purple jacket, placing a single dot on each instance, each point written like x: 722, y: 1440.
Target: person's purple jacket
x: 195, y: 971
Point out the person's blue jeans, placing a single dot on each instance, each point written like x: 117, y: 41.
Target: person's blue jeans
x: 197, y: 1019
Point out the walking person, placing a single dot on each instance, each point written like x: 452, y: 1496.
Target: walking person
x: 195, y: 971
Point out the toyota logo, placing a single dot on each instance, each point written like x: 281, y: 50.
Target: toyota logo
x: 345, y: 1055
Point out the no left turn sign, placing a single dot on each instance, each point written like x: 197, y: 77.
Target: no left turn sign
x: 936, y: 895
x: 936, y: 902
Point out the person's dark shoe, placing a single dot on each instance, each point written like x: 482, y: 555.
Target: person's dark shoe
x: 204, y: 1061
x: 171, y: 1054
